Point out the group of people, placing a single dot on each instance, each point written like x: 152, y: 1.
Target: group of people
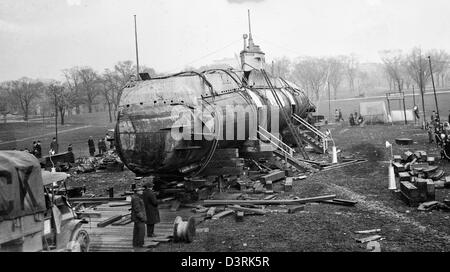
x: 36, y: 149
x: 338, y: 115
x: 355, y: 119
x: 101, y: 145
x: 144, y: 212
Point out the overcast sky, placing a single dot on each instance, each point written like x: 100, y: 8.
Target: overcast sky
x: 39, y: 38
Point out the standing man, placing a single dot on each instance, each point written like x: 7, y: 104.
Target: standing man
x: 54, y: 146
x: 33, y: 149
x: 107, y: 137
x: 449, y: 116
x: 91, y: 145
x: 340, y: 116
x: 138, y: 217
x: 38, y: 149
x: 151, y: 207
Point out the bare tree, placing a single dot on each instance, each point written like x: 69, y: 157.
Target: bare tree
x: 439, y: 61
x: 73, y: 82
x: 5, y: 103
x: 89, y: 81
x: 351, y: 70
x: 311, y: 73
x: 335, y: 72
x: 394, y: 65
x: 282, y: 67
x: 417, y: 67
x: 61, y: 97
x: 23, y: 93
x: 111, y: 88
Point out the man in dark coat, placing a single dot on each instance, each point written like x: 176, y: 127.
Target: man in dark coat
x: 54, y: 146
x: 91, y: 145
x: 151, y: 208
x: 138, y: 217
x: 38, y: 149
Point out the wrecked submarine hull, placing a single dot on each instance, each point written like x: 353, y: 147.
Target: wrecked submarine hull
x: 172, y: 126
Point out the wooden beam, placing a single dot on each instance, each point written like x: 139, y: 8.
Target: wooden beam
x: 109, y: 221
x: 273, y: 176
x: 296, y: 208
x: 269, y: 202
x: 222, y: 214
x: 368, y: 239
x: 248, y: 210
x: 94, y: 199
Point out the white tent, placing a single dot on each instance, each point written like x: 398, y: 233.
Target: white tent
x: 399, y: 116
x: 374, y: 112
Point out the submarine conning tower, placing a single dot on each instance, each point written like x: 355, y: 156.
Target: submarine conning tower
x: 252, y: 57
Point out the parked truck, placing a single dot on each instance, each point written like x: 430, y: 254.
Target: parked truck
x: 33, y: 217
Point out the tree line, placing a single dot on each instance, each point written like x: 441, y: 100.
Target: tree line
x: 80, y: 86
x: 318, y: 76
x: 398, y: 70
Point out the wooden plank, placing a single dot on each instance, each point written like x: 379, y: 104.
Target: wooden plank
x: 222, y: 214
x: 404, y: 176
x: 273, y: 176
x: 95, y: 199
x: 367, y: 231
x: 175, y: 205
x: 269, y: 202
x: 340, y: 203
x: 288, y: 184
x: 247, y: 210
x: 109, y: 221
x: 368, y: 239
x: 239, y: 216
x: 296, y: 208
x: 210, y: 212
x: 124, y: 221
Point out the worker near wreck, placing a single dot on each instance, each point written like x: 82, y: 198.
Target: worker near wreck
x: 151, y: 207
x: 139, y: 218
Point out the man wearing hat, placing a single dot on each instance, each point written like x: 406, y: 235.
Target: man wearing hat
x: 151, y: 207
x: 138, y: 217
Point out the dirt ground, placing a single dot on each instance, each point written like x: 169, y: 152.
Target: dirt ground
x: 324, y: 227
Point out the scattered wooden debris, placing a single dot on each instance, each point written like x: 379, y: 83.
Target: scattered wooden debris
x: 269, y: 202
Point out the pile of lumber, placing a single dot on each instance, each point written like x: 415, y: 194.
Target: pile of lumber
x: 418, y: 177
x: 215, y: 209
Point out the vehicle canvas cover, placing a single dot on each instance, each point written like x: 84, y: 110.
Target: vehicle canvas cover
x: 21, y: 187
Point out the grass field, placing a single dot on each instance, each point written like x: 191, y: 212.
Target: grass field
x: 75, y: 131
